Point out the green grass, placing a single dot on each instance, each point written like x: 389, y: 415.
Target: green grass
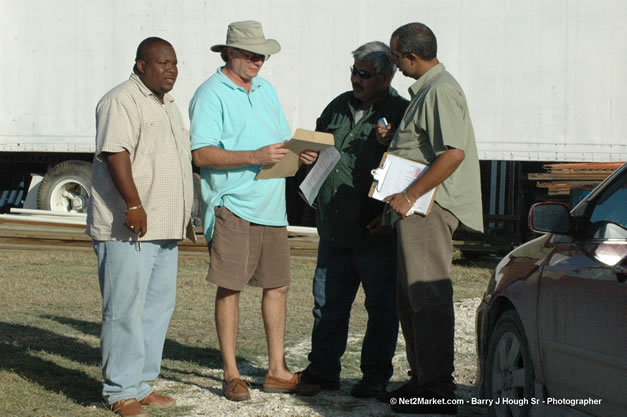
x: 50, y: 323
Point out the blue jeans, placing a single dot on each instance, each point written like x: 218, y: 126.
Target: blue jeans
x: 138, y: 287
x: 338, y: 274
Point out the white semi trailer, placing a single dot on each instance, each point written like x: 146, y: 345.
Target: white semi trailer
x: 544, y: 80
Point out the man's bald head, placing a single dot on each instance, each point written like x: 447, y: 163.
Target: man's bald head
x: 156, y: 65
x: 144, y: 47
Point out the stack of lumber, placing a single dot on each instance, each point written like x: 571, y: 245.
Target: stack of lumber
x: 45, y: 230
x: 560, y: 179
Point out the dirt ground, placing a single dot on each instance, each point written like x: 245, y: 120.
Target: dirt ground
x: 201, y: 395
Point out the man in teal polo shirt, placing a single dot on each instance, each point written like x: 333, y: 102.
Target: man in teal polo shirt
x: 237, y: 126
x: 353, y: 249
x: 436, y: 130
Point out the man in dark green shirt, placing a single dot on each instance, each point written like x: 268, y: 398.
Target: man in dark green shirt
x: 354, y: 248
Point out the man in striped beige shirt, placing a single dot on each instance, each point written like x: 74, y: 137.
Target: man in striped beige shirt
x: 140, y: 206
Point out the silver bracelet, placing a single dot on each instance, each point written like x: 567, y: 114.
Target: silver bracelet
x: 133, y: 208
x: 407, y: 198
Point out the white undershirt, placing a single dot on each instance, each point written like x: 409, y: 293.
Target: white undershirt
x: 359, y: 114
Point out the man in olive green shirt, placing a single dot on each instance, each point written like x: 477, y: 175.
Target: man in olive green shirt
x: 436, y: 130
x: 353, y: 248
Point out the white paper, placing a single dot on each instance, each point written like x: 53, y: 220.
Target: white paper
x: 395, y: 176
x: 327, y: 159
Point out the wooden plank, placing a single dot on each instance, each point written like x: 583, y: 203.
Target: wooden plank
x: 26, y: 235
x: 29, y: 220
x: 60, y: 243
x: 585, y: 165
x: 57, y: 236
x: 591, y: 176
x: 42, y: 247
x: 50, y: 213
x: 48, y: 235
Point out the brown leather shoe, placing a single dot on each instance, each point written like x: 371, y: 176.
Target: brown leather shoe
x: 236, y: 389
x: 155, y: 400
x: 291, y: 386
x: 128, y: 407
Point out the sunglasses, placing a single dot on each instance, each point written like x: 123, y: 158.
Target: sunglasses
x: 364, y: 75
x: 251, y: 57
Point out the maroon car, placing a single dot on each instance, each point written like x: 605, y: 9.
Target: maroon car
x: 551, y: 328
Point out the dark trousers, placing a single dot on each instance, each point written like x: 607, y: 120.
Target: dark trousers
x: 339, y: 272
x: 425, y: 296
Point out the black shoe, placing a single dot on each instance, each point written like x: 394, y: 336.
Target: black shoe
x: 408, y: 389
x: 325, y: 383
x: 366, y: 388
x: 426, y: 401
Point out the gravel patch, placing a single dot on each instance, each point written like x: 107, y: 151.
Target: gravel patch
x: 202, y: 396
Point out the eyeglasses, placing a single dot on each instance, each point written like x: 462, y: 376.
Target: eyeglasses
x: 364, y: 75
x: 252, y: 57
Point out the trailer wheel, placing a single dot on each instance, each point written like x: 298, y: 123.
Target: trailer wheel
x: 65, y: 187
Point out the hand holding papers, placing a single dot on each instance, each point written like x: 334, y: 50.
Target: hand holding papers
x: 303, y: 140
x: 327, y: 159
x: 394, y: 175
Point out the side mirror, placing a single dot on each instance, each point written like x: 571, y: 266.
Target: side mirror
x: 550, y: 217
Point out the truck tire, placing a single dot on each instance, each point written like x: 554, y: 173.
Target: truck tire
x: 66, y: 187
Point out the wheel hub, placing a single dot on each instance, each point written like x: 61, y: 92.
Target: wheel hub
x: 508, y: 379
x: 78, y: 203
x: 70, y: 197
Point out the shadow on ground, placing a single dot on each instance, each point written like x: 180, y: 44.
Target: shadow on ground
x: 22, y: 348
x: 25, y: 349
x: 336, y: 403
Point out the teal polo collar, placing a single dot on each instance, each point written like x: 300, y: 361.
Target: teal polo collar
x: 254, y: 84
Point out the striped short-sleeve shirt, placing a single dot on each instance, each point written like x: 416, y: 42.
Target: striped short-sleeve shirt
x: 131, y: 118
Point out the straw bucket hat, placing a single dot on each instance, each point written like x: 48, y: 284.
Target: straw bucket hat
x: 248, y: 35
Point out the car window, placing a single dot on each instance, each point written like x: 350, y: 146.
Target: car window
x: 608, y: 214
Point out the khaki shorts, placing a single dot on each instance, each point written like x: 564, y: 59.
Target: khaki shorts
x: 243, y: 253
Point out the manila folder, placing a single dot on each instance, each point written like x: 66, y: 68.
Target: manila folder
x: 303, y: 140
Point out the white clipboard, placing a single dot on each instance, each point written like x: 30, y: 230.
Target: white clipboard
x: 394, y: 175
